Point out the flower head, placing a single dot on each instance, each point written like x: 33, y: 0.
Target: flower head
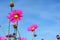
x: 15, y: 15
x: 21, y: 38
x: 57, y: 36
x: 2, y: 38
x: 32, y: 27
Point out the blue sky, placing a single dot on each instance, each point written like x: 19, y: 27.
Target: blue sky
x: 44, y: 13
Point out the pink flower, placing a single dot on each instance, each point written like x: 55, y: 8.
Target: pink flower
x: 32, y: 27
x: 21, y: 38
x: 57, y: 36
x: 15, y: 15
x: 2, y: 38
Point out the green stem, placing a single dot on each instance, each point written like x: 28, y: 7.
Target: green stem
x: 15, y: 31
x: 34, y: 36
x: 9, y: 27
x: 9, y: 30
x: 11, y: 8
x: 19, y: 33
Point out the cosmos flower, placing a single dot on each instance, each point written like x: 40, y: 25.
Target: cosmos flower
x: 57, y: 36
x: 21, y: 38
x: 15, y: 15
x: 2, y: 38
x: 32, y: 27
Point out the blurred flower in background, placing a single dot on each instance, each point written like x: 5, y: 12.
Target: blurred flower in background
x: 3, y: 38
x: 32, y: 27
x: 57, y: 36
x: 21, y: 38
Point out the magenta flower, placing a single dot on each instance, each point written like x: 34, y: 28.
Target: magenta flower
x: 32, y: 27
x: 21, y: 38
x: 15, y: 15
x: 2, y: 38
x: 57, y: 36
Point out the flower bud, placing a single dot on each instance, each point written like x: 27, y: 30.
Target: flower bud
x: 35, y: 35
x: 11, y: 4
x: 14, y: 25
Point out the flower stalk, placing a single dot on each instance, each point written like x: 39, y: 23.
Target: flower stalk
x: 15, y: 25
x: 34, y: 36
x: 11, y: 5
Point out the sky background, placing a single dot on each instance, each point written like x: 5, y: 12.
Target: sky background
x: 44, y: 13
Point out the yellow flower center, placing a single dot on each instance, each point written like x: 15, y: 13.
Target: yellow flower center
x: 16, y: 16
x: 33, y: 29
